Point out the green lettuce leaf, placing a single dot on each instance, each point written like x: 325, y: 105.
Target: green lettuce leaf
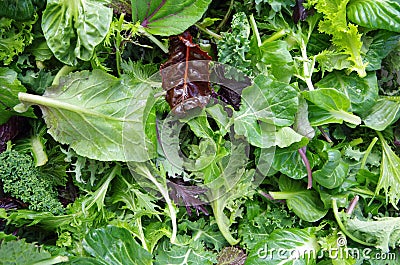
x: 384, y: 232
x: 19, y: 252
x: 286, y: 247
x: 268, y: 101
x: 99, y: 116
x: 382, y: 14
x: 389, y: 179
x: 329, y: 106
x: 305, y: 203
x: 73, y: 28
x: 333, y: 172
x: 385, y: 112
x: 344, y: 36
x: 14, y: 37
x: 113, y: 245
x: 165, y: 18
x: 10, y: 86
x: 362, y: 92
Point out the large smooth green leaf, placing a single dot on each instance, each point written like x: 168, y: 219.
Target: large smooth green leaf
x: 10, y: 86
x: 192, y: 254
x: 329, y: 106
x: 289, y: 162
x: 362, y: 92
x: 99, y: 116
x: 382, y: 14
x: 170, y: 17
x: 73, y: 28
x: 113, y: 246
x: 384, y: 113
x: 268, y: 101
x: 333, y: 172
x: 305, y: 203
x: 383, y: 42
x: 286, y: 247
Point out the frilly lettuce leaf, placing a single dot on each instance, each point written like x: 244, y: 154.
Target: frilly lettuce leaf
x: 345, y: 35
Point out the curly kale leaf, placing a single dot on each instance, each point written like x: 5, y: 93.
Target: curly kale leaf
x: 22, y: 180
x: 233, y: 46
x: 14, y: 37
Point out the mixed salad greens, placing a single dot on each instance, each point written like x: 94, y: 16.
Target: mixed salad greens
x: 200, y: 132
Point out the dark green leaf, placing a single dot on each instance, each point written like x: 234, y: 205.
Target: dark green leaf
x: 333, y: 172
x: 362, y: 92
x: 330, y: 106
x: 10, y: 86
x: 167, y: 18
x: 384, y: 113
x: 383, y: 14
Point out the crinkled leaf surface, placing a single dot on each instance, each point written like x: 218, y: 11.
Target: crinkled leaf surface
x: 384, y: 232
x: 168, y: 17
x: 18, y: 252
x: 382, y: 14
x: 99, y: 116
x: 10, y: 86
x: 286, y: 247
x: 362, y: 92
x: 389, y: 179
x: 73, y: 28
x: 185, y: 76
x: 344, y: 36
x: 114, y: 245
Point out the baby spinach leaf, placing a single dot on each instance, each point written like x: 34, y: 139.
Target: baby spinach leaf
x: 74, y: 28
x: 165, y: 18
x: 269, y: 101
x: 333, y: 172
x: 383, y: 14
x: 286, y: 136
x: 289, y: 162
x: 383, y: 42
x: 329, y: 106
x: 10, y: 86
x: 286, y: 247
x: 193, y: 253
x: 274, y: 58
x: 113, y: 245
x: 18, y: 10
x: 389, y: 179
x: 384, y: 113
x: 305, y: 203
x: 100, y: 116
x: 362, y: 92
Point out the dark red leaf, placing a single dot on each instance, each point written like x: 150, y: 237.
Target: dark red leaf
x: 185, y: 76
x: 9, y: 130
x: 187, y: 195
